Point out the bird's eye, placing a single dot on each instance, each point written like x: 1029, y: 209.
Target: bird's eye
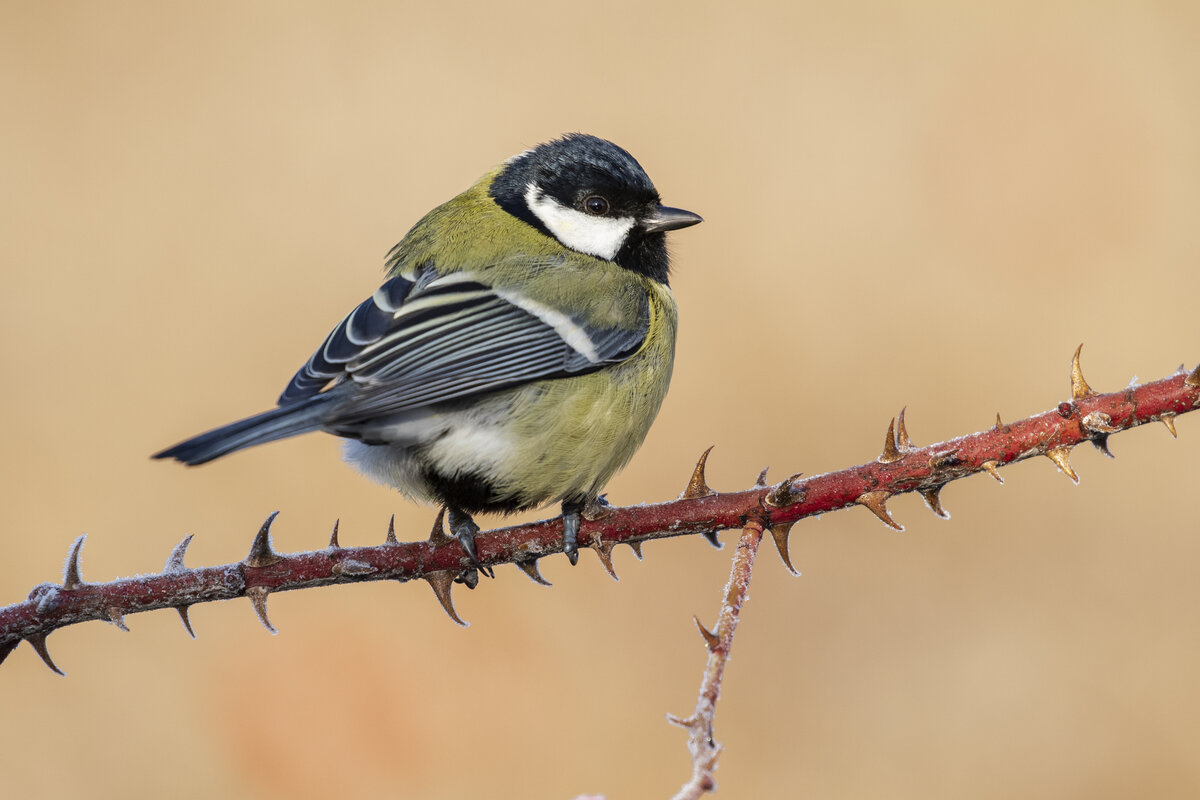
x: 596, y: 205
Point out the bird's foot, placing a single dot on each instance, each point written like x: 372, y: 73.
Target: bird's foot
x: 572, y: 513
x: 464, y: 529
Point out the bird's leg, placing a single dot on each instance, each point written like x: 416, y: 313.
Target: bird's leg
x: 464, y: 529
x: 572, y: 511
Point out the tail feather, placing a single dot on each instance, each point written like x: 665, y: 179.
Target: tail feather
x: 278, y: 423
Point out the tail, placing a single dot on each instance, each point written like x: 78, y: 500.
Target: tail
x: 278, y: 423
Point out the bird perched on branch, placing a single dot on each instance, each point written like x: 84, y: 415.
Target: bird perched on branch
x: 517, y: 354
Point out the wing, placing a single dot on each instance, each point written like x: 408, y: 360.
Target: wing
x: 411, y: 345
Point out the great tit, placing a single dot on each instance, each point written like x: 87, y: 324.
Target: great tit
x: 518, y: 352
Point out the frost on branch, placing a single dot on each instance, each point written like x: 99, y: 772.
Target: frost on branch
x: 440, y: 560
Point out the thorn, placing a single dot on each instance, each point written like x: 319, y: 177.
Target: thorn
x: 441, y: 582
x: 604, y: 551
x: 7, y: 648
x: 990, y: 466
x: 780, y: 533
x: 1079, y: 387
x: 1101, y: 444
x: 71, y: 579
x: 934, y: 501
x: 187, y: 623
x: 697, y: 486
x: 890, y: 452
x: 1194, y: 378
x: 711, y: 640
x: 683, y: 722
x: 438, y: 535
x: 333, y: 537
x: 761, y: 482
x: 902, y: 432
x: 1062, y: 457
x: 876, y: 501
x: 258, y: 598
x: 636, y: 547
x: 711, y: 538
x: 261, y: 554
x: 391, y: 534
x: 530, y: 568
x: 598, y: 508
x: 113, y: 614
x: 38, y: 642
x: 999, y: 423
x: 175, y: 560
x: 786, y: 493
x: 1169, y: 421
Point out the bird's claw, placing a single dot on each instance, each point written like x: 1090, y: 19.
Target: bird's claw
x: 464, y: 529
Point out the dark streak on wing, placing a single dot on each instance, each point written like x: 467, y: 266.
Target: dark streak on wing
x: 448, y: 339
x: 364, y: 325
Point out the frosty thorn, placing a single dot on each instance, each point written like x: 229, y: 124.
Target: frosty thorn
x: 38, y: 642
x: 934, y: 501
x: 1194, y: 378
x: 391, y: 534
x: 1079, y: 387
x: 876, y: 501
x: 1169, y: 421
x: 175, y: 560
x: 187, y: 623
x: 786, y: 493
x: 697, y: 486
x: 890, y: 451
x: 261, y: 554
x: 441, y: 582
x: 902, y: 432
x: 258, y: 599
x: 711, y: 640
x: 1062, y: 457
x: 990, y: 466
x: 761, y: 482
x: 780, y: 533
x: 530, y: 568
x: 437, y: 534
x: 71, y: 579
x: 604, y: 551
x: 115, y: 616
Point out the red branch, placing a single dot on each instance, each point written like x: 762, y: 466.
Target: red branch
x: 441, y: 560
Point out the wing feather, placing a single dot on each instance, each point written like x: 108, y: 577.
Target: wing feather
x: 415, y: 344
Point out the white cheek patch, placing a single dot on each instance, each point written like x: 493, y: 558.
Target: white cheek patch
x: 596, y: 236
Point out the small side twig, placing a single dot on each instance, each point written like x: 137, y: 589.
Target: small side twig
x: 699, y: 725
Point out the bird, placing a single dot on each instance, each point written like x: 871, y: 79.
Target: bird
x: 517, y: 353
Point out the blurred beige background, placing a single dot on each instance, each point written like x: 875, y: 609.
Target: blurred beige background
x: 926, y: 205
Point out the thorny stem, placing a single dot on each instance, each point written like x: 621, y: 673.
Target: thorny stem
x: 440, y: 560
x: 704, y: 750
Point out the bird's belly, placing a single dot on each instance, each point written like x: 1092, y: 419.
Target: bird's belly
x: 550, y: 440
